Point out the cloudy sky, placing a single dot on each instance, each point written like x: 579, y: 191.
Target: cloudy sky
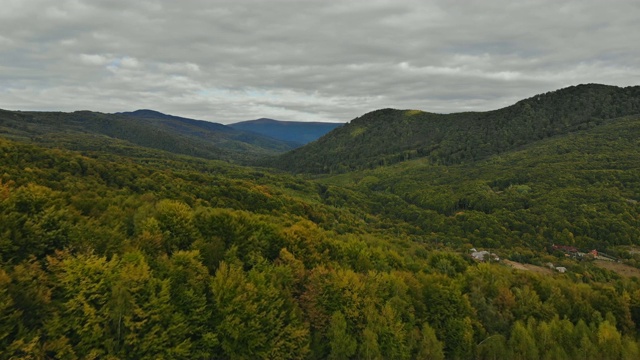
x: 316, y: 60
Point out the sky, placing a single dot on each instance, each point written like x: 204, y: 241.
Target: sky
x: 316, y: 60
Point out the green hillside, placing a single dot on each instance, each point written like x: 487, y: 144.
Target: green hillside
x: 119, y: 250
x: 581, y: 189
x: 389, y: 136
x: 86, y: 130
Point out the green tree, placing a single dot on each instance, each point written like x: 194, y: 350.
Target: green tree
x: 609, y: 341
x: 493, y: 347
x: 522, y: 343
x: 255, y: 319
x: 429, y: 347
x: 190, y: 280
x: 9, y: 316
x: 369, y: 348
x: 84, y: 284
x: 341, y: 342
x: 176, y: 222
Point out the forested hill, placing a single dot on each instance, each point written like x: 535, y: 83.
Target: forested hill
x: 111, y: 255
x: 87, y: 130
x: 175, y: 120
x: 298, y: 132
x: 580, y: 189
x: 389, y: 136
x: 107, y: 256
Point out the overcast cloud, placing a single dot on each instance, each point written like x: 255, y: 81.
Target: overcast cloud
x: 228, y: 61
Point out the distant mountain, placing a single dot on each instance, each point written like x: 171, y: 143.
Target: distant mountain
x: 86, y: 130
x: 295, y: 131
x: 171, y: 119
x: 226, y: 136
x: 389, y: 136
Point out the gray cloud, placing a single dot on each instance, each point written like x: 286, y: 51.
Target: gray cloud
x: 228, y: 61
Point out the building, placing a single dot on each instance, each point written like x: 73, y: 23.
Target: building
x: 484, y: 256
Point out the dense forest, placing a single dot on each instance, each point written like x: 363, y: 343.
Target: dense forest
x: 131, y: 252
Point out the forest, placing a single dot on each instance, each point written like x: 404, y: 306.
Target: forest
x: 131, y: 252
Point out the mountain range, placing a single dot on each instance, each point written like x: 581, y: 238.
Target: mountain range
x: 139, y: 235
x: 297, y: 132
x: 87, y: 130
x: 378, y: 138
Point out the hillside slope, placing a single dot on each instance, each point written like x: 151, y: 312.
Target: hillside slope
x: 388, y: 136
x: 88, y: 130
x: 580, y: 189
x: 298, y: 132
